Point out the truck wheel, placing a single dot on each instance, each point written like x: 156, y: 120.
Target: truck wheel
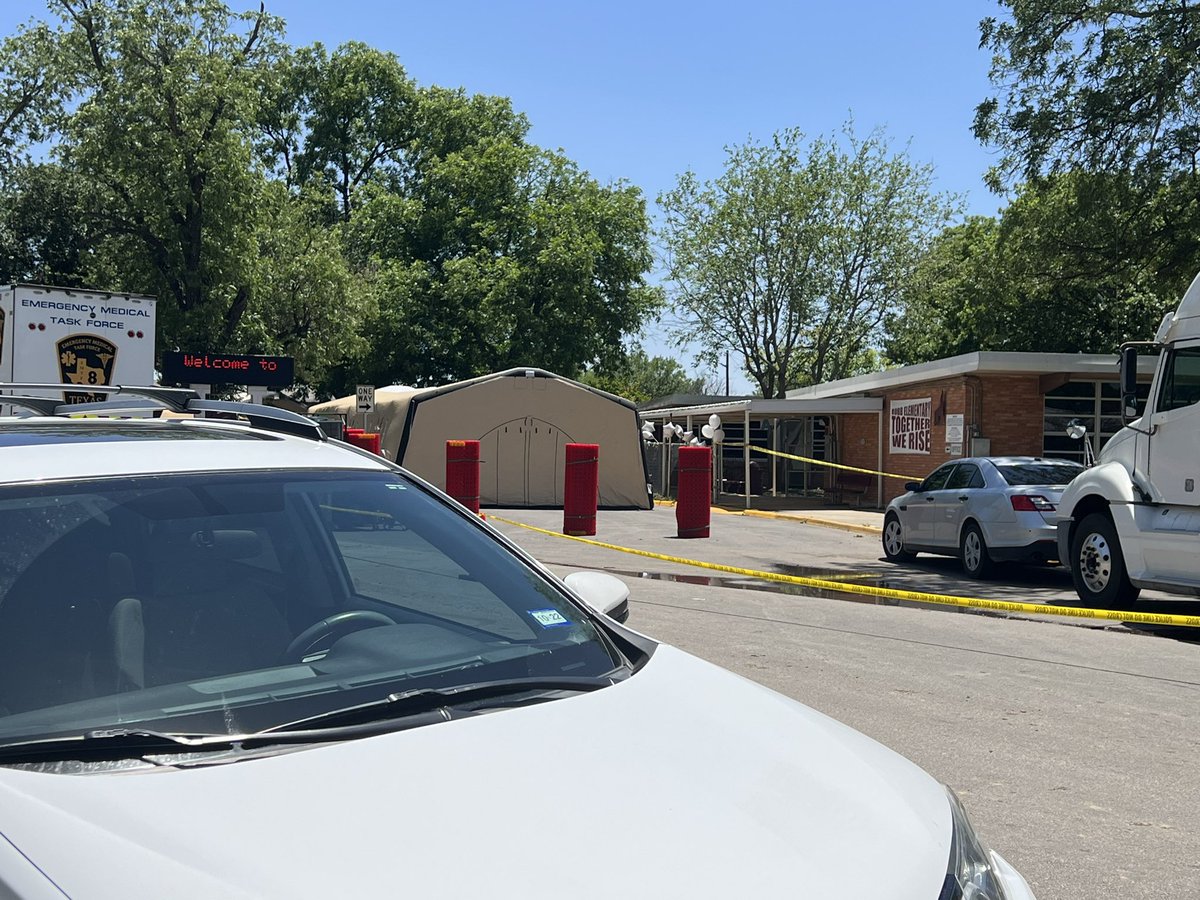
x: 972, y: 550
x: 1098, y: 566
x: 893, y: 539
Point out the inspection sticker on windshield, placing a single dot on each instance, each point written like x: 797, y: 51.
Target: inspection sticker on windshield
x: 548, y: 618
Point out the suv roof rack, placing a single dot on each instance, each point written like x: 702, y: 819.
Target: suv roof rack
x: 150, y: 398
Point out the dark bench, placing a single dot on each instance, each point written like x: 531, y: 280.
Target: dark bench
x: 853, y: 484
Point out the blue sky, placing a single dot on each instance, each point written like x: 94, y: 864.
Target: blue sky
x: 644, y: 91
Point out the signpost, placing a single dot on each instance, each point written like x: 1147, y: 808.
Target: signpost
x: 366, y: 398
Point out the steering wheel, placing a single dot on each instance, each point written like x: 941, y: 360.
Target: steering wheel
x: 350, y: 620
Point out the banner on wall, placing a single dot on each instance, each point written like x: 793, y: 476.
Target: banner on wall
x: 910, y: 425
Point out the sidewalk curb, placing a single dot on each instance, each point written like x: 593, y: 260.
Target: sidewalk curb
x: 869, y: 530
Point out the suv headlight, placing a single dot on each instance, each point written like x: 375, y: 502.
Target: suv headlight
x: 970, y: 875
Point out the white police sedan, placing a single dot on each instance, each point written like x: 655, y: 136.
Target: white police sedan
x: 981, y: 509
x: 241, y: 660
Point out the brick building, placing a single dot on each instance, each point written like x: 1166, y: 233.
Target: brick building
x: 907, y: 421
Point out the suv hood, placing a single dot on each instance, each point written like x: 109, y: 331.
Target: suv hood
x: 683, y: 780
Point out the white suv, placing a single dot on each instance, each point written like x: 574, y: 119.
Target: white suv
x: 243, y: 660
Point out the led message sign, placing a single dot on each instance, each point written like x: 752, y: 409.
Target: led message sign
x: 228, y: 368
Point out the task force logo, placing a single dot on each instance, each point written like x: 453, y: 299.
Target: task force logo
x: 85, y: 359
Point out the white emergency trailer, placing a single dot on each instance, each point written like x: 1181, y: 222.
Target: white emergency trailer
x: 77, y: 337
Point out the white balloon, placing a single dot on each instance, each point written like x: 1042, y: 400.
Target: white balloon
x: 707, y: 431
x: 718, y: 435
x: 714, y: 420
x: 678, y: 430
x: 687, y: 436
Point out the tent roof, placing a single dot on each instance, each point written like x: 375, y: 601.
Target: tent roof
x: 400, y: 394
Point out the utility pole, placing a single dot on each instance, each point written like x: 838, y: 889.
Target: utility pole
x: 726, y: 373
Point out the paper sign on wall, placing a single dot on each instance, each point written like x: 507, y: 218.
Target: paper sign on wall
x: 909, y: 425
x: 954, y: 429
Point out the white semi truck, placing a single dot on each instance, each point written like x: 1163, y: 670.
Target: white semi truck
x: 1132, y: 521
x: 80, y: 338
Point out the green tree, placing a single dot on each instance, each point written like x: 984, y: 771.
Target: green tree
x: 1097, y: 85
x: 487, y: 252
x: 305, y: 299
x: 793, y: 256
x: 1059, y: 271
x: 29, y: 90
x: 641, y: 377
x: 47, y: 232
x: 274, y: 199
x: 154, y: 100
x: 345, y: 119
x: 1105, y: 94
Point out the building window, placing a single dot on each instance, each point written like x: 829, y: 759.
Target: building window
x: 1094, y: 404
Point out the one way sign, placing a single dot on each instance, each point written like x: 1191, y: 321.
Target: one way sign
x: 366, y: 398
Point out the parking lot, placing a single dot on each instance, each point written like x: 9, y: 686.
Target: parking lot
x: 1072, y: 742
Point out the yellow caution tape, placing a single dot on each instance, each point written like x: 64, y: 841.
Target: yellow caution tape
x: 832, y: 465
x: 1038, y: 609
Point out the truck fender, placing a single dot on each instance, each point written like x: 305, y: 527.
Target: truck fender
x: 1108, y: 481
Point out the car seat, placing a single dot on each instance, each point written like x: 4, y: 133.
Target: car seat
x: 204, y: 616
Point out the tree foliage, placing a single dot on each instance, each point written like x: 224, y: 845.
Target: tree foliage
x: 498, y: 254
x: 1094, y: 85
x: 793, y: 256
x: 1103, y: 96
x: 28, y: 91
x: 1060, y: 271
x: 641, y: 377
x: 303, y: 201
x: 48, y: 234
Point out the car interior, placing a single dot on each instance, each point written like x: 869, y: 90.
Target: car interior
x: 180, y: 594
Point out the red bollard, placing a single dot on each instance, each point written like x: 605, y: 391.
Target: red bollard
x: 692, y: 506
x: 581, y: 489
x: 365, y: 440
x: 462, y: 473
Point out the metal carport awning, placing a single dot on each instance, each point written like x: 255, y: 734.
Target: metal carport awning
x: 776, y: 409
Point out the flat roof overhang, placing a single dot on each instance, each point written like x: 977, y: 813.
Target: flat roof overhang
x: 772, y: 409
x: 749, y: 410
x: 986, y: 362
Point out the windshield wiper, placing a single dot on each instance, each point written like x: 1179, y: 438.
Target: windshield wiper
x: 443, y: 700
x: 111, y: 743
x: 398, y: 711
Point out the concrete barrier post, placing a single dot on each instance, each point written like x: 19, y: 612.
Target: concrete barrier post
x: 581, y: 488
x: 462, y: 473
x: 693, y: 508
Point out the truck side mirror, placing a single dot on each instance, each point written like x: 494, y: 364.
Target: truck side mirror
x: 1129, y: 383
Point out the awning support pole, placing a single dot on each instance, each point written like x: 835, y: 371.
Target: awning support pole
x: 774, y: 463
x: 746, y: 455
x: 879, y: 463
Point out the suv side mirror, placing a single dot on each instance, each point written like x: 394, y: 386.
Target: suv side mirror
x: 912, y: 486
x: 1128, y: 382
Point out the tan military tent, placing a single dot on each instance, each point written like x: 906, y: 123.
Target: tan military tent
x: 522, y: 419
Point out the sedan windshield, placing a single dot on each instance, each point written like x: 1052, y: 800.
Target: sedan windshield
x: 1042, y: 473
x: 232, y: 603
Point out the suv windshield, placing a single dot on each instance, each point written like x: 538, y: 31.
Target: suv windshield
x: 1027, y: 474
x: 231, y: 603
